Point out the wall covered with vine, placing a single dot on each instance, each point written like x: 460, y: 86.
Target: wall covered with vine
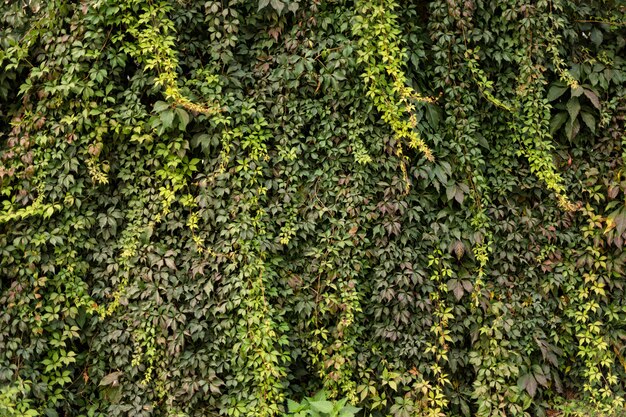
x: 212, y: 208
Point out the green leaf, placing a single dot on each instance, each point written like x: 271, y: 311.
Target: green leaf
x: 183, y: 118
x: 482, y: 141
x: 573, y: 107
x: 589, y: 120
x: 294, y: 407
x: 48, y: 213
x: 277, y: 5
x: 263, y: 4
x: 51, y: 412
x: 339, y: 75
x: 572, y: 128
x: 556, y: 91
x: 465, y: 408
x: 577, y: 92
x: 349, y: 411
x: 557, y: 121
x: 160, y: 106
x: 167, y: 117
x: 113, y: 395
x: 201, y: 140
x: 450, y: 191
x: 322, y: 406
x: 596, y: 36
x: 459, y: 196
x: 319, y: 396
x: 433, y: 115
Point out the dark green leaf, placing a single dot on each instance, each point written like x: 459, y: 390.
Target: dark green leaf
x: 556, y: 91
x: 573, y: 107
x: 557, y: 121
x: 589, y: 120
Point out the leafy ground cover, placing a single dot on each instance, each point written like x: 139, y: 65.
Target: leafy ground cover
x: 225, y: 207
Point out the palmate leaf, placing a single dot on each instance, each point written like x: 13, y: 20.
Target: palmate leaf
x: 529, y: 383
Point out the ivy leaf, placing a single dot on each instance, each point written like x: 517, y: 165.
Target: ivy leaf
x: 529, y: 383
x: 541, y: 379
x: 263, y: 4
x: 339, y: 75
x: 593, y: 97
x: 167, y: 117
x: 440, y: 175
x: 465, y: 408
x: 450, y: 191
x: 51, y: 413
x: 322, y: 406
x: 319, y: 396
x: 433, y: 115
x: 170, y: 263
x: 183, y: 119
x: 482, y: 141
x: 572, y: 128
x: 456, y: 287
x: 557, y: 121
x: 48, y: 213
x: 531, y: 386
x: 277, y: 5
x: 459, y: 196
x: 589, y: 120
x: 113, y: 395
x: 577, y: 92
x: 617, y: 220
x: 160, y: 106
x: 573, y: 107
x: 203, y: 141
x: 294, y: 407
x: 556, y: 91
x: 349, y: 410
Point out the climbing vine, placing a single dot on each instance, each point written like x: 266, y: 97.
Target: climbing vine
x: 258, y: 208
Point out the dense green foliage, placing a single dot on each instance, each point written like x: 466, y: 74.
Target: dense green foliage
x: 223, y: 207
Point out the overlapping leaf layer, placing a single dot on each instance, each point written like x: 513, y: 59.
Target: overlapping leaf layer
x: 211, y: 207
